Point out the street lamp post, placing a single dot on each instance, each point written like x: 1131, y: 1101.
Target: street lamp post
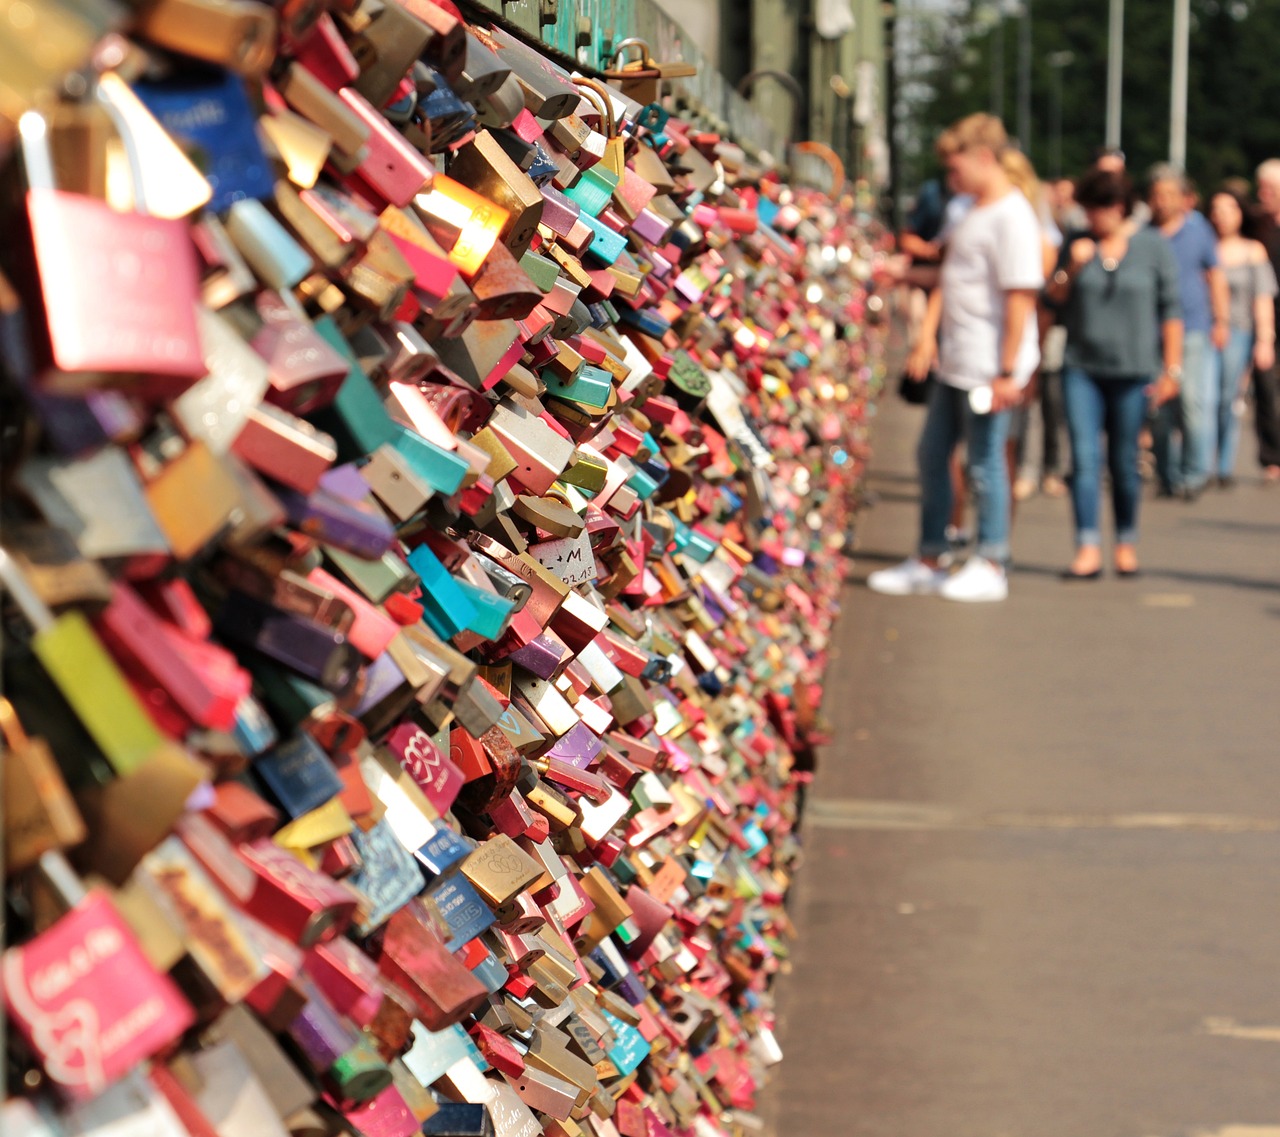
x: 1024, y: 78
x: 997, y: 64
x: 1058, y: 61
x: 1115, y: 73
x: 1178, y: 94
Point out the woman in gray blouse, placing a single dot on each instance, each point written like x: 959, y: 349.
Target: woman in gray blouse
x: 1119, y: 295
x: 1252, y: 342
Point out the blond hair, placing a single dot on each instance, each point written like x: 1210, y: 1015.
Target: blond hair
x: 972, y: 133
x: 1022, y: 174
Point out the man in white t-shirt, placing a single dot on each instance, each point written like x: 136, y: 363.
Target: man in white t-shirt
x: 983, y: 315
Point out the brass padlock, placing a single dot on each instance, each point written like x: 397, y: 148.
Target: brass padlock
x: 641, y: 79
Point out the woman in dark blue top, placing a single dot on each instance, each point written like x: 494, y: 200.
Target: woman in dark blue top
x: 1119, y: 294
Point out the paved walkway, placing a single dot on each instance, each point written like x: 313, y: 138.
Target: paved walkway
x: 1041, y: 895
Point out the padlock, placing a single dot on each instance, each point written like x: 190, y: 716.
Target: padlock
x: 446, y: 51
x: 483, y: 166
x: 309, y: 96
x: 240, y: 34
x: 214, y: 935
x: 40, y: 814
x: 277, y: 259
x: 482, y: 72
x: 39, y: 54
x: 58, y: 573
x: 312, y: 650
x: 101, y: 991
x: 110, y: 296
x: 172, y: 186
x: 548, y: 92
x: 212, y: 119
x: 466, y: 224
x: 74, y: 658
x: 393, y: 170
x: 386, y: 47
x: 193, y: 498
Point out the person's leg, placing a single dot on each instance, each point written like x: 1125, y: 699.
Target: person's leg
x: 1030, y: 451
x: 1084, y: 409
x: 1166, y: 448
x: 959, y: 492
x: 989, y: 481
x: 1052, y: 413
x: 1266, y: 419
x: 937, y: 441
x: 1014, y: 451
x: 1126, y: 410
x: 1232, y: 365
x: 1199, y: 412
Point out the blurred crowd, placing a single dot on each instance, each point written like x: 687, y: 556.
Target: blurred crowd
x: 1134, y: 319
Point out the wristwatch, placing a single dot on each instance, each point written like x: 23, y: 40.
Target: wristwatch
x: 1006, y: 374
x: 1062, y: 277
x: 1174, y: 372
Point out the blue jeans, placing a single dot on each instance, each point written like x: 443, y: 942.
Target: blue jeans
x: 1118, y: 406
x: 948, y: 419
x: 1184, y: 463
x: 1229, y: 366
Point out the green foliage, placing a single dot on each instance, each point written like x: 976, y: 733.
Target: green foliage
x: 1234, y: 93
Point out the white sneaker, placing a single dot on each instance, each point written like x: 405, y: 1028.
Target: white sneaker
x: 911, y: 578
x: 978, y: 582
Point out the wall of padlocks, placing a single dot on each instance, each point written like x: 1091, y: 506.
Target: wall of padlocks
x: 426, y: 477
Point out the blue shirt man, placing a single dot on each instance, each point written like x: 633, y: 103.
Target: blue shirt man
x: 1186, y: 433
x: 1195, y: 248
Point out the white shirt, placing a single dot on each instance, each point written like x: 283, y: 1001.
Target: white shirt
x: 995, y: 249
x: 957, y: 209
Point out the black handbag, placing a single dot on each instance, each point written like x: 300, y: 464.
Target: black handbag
x: 916, y: 391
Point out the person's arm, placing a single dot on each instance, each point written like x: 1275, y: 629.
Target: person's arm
x: 1050, y: 247
x: 1019, y: 307
x: 1075, y: 256
x: 1220, y: 299
x: 1172, y: 330
x: 918, y: 248
x: 1170, y: 381
x: 925, y: 352
x: 1264, y: 316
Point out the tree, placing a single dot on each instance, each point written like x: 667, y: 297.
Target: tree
x: 1234, y: 80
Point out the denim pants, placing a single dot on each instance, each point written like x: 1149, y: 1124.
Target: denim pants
x: 1184, y: 462
x: 1118, y: 406
x: 948, y: 419
x: 1228, y: 366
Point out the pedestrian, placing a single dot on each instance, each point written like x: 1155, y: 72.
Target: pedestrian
x: 1025, y: 441
x: 1118, y: 290
x: 980, y: 328
x: 1185, y: 427
x: 1113, y: 160
x: 1066, y: 210
x: 1251, y: 343
x: 1266, y: 381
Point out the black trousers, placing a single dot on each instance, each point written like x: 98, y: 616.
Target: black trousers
x: 1266, y: 409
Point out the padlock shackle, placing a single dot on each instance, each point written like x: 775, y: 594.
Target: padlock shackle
x: 646, y: 56
x: 105, y: 98
x: 15, y: 738
x: 62, y: 878
x: 24, y: 596
x: 37, y: 151
x: 34, y: 131
x: 605, y: 103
